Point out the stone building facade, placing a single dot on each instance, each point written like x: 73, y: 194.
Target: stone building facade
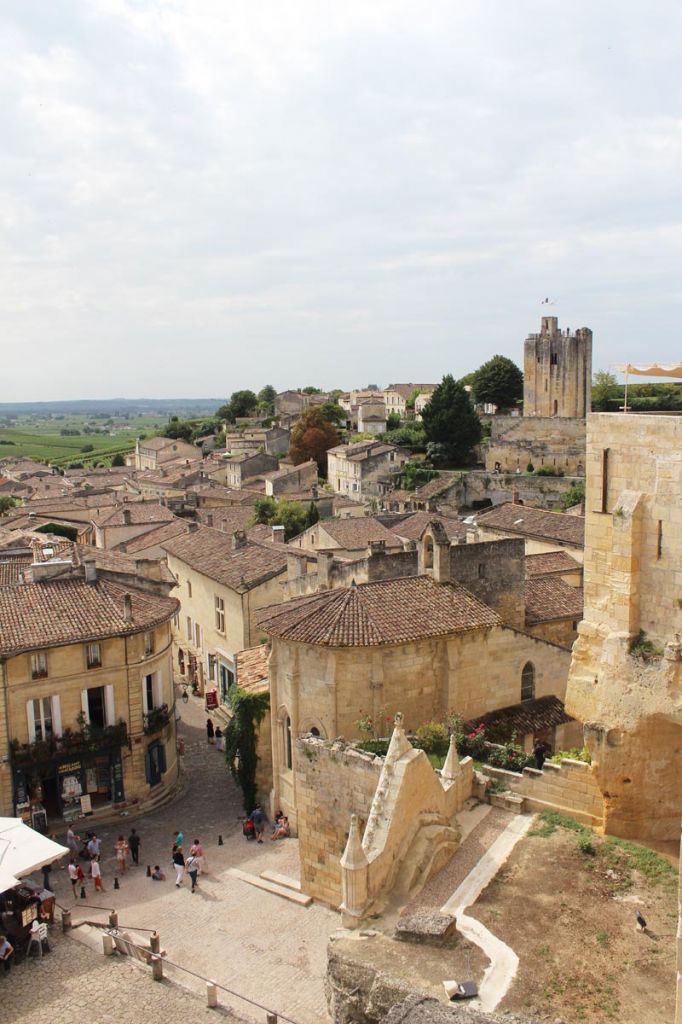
x: 557, y: 371
x: 625, y: 680
x: 86, y: 693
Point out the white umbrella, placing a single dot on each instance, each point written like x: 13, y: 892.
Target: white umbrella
x: 23, y: 850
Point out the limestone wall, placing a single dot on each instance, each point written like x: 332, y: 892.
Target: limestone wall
x: 570, y: 788
x: 495, y: 572
x: 333, y: 781
x: 557, y: 371
x: 555, y: 441
x: 633, y: 551
x: 561, y: 631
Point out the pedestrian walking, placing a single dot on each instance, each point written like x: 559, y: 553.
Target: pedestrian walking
x: 134, y: 843
x: 197, y: 850
x: 179, y: 863
x: 47, y: 868
x: 210, y: 731
x: 73, y: 876
x: 96, y: 872
x: 219, y: 738
x: 258, y: 819
x: 73, y: 841
x: 121, y: 853
x: 178, y: 838
x: 6, y: 951
x: 193, y: 870
x: 539, y: 753
x: 94, y: 846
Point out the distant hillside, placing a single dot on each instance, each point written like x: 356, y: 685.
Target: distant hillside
x: 182, y: 407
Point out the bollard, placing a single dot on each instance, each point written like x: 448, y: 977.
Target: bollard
x: 157, y: 968
x: 113, y: 919
x: 211, y: 994
x: 107, y: 945
x: 155, y: 942
x: 271, y: 1018
x: 82, y: 892
x: 66, y: 920
x: 220, y: 840
x: 116, y: 885
x: 149, y: 871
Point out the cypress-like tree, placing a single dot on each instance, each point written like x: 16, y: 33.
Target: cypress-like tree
x: 450, y: 421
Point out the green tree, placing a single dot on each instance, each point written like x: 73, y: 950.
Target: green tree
x: 310, y: 390
x: 118, y: 460
x: 311, y: 438
x: 6, y: 503
x: 243, y: 403
x: 604, y: 389
x: 179, y: 429
x: 292, y: 516
x: 393, y: 421
x: 264, y: 510
x: 312, y: 515
x: 499, y: 382
x: 88, y: 448
x: 333, y: 413
x: 266, y: 399
x: 450, y: 420
x: 574, y: 495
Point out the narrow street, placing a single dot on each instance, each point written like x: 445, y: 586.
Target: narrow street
x: 251, y: 941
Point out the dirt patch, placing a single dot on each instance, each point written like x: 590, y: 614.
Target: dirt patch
x: 566, y: 902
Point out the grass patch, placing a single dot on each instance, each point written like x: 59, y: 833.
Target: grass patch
x: 621, y: 853
x: 550, y: 821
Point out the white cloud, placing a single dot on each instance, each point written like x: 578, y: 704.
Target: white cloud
x: 199, y: 194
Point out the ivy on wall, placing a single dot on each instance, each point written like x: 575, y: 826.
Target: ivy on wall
x: 248, y: 711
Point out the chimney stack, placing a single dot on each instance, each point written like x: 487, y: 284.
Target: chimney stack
x: 127, y: 608
x: 90, y: 567
x: 324, y: 564
x: 238, y: 540
x: 278, y: 535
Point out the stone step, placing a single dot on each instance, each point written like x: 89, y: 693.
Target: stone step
x: 285, y: 880
x: 277, y: 890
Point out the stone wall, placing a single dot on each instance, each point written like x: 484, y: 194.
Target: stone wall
x: 633, y: 551
x: 542, y: 440
x: 561, y: 631
x: 333, y: 781
x: 570, y: 788
x: 495, y: 572
x: 557, y: 371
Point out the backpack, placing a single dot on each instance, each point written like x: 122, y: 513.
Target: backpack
x: 248, y: 829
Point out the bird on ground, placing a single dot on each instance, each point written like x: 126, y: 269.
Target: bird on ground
x: 640, y: 920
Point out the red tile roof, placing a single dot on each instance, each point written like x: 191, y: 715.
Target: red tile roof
x: 252, y: 669
x: 210, y: 552
x: 549, y: 598
x: 534, y: 522
x: 357, y: 532
x: 549, y: 562
x: 413, y: 527
x: 53, y: 613
x: 529, y: 717
x: 164, y: 532
x: 141, y: 512
x: 388, y: 612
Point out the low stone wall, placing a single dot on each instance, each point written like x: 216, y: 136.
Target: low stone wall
x: 333, y: 781
x: 569, y: 787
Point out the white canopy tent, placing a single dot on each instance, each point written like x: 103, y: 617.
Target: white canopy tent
x: 23, y: 850
x: 650, y: 370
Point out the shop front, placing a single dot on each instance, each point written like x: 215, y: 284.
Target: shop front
x: 67, y: 785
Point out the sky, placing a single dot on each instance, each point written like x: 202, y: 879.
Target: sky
x: 198, y: 196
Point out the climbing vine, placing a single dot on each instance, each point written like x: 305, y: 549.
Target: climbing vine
x: 248, y: 711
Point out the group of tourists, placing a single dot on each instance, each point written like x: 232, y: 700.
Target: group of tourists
x: 90, y: 849
x: 193, y: 864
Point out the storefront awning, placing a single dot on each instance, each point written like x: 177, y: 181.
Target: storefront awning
x: 650, y: 370
x: 23, y: 850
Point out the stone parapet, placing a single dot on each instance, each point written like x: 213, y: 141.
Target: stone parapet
x: 570, y: 788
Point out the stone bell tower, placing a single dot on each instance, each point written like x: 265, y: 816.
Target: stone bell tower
x: 557, y: 371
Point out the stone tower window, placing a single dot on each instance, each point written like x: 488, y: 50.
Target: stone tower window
x: 288, y: 759
x: 553, y: 359
x: 556, y: 410
x: 428, y: 552
x: 528, y: 681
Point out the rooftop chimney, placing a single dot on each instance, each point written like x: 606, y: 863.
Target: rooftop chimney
x: 278, y: 535
x: 127, y: 608
x: 126, y: 517
x: 238, y: 540
x: 90, y: 567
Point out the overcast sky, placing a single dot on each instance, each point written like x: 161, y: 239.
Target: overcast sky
x: 203, y: 195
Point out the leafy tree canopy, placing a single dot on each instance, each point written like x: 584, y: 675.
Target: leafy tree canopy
x: 310, y: 390
x: 499, y: 382
x: 292, y: 515
x: 241, y: 735
x: 393, y: 421
x: 177, y: 428
x: 333, y: 413
x: 311, y: 438
x: 266, y: 399
x: 241, y: 403
x: 118, y: 460
x: 604, y: 390
x: 450, y: 420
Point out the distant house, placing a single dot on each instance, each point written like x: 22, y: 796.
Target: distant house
x: 128, y: 520
x: 371, y: 416
x: 347, y: 538
x: 364, y: 469
x: 293, y: 403
x: 397, y: 395
x: 152, y: 452
x: 542, y: 531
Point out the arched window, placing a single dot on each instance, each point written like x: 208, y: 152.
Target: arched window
x: 428, y: 552
x: 288, y: 758
x: 315, y: 731
x: 528, y: 681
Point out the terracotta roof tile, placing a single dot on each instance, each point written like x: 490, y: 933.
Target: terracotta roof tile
x: 164, y: 532
x: 551, y: 562
x: 141, y: 512
x: 57, y: 612
x: 549, y: 598
x: 210, y: 552
x: 413, y: 527
x: 357, y: 532
x: 534, y: 522
x: 387, y: 612
x: 252, y: 669
x: 529, y: 717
